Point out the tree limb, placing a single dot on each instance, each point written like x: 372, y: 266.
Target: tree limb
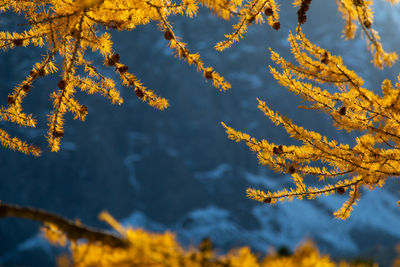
x: 72, y: 230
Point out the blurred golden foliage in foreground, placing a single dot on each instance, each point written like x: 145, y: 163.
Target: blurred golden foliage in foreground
x: 162, y: 249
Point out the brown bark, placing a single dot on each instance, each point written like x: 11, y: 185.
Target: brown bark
x: 72, y: 230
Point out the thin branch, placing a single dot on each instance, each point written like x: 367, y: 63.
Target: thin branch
x: 71, y: 229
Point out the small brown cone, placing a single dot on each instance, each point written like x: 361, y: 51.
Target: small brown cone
x: 41, y: 72
x: 58, y: 134
x: 139, y: 93
x: 168, y: 34
x: 61, y: 84
x: 341, y: 190
x: 122, y: 69
x: 209, y: 74
x: 291, y: 169
x: 10, y: 100
x: 267, y: 200
x: 342, y: 111
x: 18, y: 42
x: 268, y: 12
x: 26, y: 88
x: 276, y: 25
x: 84, y: 110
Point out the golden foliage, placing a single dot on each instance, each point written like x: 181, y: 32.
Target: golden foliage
x: 308, y: 255
x: 343, y: 168
x: 68, y: 28
x: 54, y: 235
x: 360, y: 11
x: 150, y: 249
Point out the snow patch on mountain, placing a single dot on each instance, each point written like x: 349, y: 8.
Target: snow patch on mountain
x: 285, y: 224
x: 213, y: 174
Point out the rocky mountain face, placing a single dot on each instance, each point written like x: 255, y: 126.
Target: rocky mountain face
x: 176, y: 169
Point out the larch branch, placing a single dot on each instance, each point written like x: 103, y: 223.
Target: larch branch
x: 71, y: 229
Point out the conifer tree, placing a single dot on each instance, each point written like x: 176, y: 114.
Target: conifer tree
x: 340, y: 167
x: 150, y: 249
x: 67, y: 29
